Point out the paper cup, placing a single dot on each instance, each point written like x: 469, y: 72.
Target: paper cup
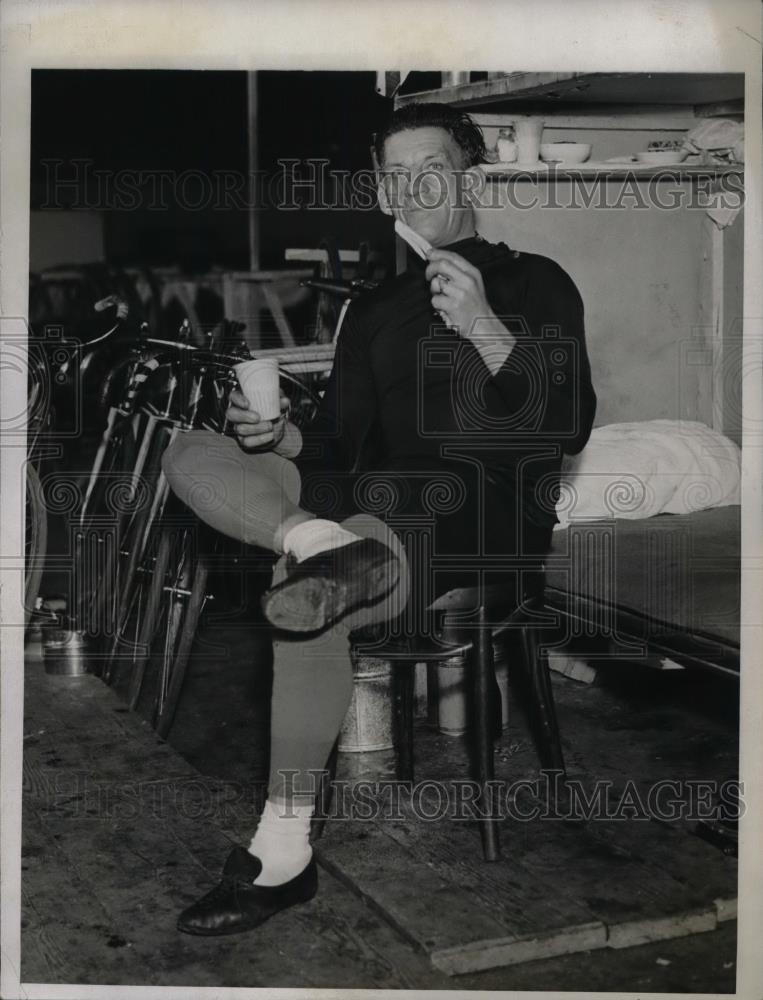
x: 259, y: 383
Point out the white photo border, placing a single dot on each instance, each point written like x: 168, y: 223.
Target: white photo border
x: 620, y: 35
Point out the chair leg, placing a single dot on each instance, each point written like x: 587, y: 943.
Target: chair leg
x: 536, y: 665
x: 404, y: 675
x: 496, y: 703
x: 325, y: 794
x: 433, y: 712
x: 484, y: 678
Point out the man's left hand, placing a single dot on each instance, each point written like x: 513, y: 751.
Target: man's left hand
x: 458, y: 293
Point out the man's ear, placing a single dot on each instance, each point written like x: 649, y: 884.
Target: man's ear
x: 383, y: 200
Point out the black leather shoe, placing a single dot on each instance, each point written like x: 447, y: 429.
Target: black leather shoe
x: 235, y: 905
x: 321, y: 589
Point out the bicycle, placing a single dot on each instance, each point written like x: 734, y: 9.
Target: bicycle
x: 141, y: 581
x: 162, y: 586
x: 182, y: 409
x: 53, y: 366
x: 113, y: 518
x: 179, y: 571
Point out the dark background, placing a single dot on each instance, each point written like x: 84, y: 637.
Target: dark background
x: 197, y: 120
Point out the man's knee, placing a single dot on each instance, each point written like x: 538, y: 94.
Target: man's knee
x: 194, y: 451
x: 192, y: 472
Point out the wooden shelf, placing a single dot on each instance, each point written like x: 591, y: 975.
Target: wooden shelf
x: 718, y: 93
x: 499, y: 88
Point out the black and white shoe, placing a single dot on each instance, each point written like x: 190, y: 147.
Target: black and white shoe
x: 323, y: 588
x: 236, y: 905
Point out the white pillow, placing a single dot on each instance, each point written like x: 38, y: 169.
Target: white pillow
x: 649, y: 467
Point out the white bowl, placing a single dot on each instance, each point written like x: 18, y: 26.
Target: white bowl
x: 662, y: 157
x: 565, y: 152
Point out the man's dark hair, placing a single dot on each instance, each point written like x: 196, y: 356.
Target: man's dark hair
x: 458, y: 124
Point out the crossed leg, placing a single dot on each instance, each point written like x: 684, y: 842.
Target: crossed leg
x: 251, y: 497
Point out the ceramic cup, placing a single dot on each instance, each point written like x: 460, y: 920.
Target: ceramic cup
x: 259, y: 383
x: 507, y: 150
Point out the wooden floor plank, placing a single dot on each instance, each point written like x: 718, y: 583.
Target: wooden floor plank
x: 481, y: 955
x: 725, y: 909
x: 430, y: 897
x: 561, y: 885
x: 630, y: 933
x: 570, y: 856
x: 516, y: 895
x: 427, y: 909
x: 143, y: 893
x: 64, y: 926
x: 135, y: 833
x: 146, y: 849
x: 674, y: 857
x: 61, y: 705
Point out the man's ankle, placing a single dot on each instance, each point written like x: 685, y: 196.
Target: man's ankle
x: 283, y: 529
x: 281, y: 841
x: 309, y: 538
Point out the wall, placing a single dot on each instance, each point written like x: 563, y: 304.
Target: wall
x: 733, y: 255
x: 61, y: 237
x: 640, y: 273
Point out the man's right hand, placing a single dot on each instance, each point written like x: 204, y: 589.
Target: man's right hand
x: 251, y: 431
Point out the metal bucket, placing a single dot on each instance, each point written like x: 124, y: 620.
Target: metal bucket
x: 64, y: 651
x: 368, y: 723
x: 452, y: 707
x: 453, y: 678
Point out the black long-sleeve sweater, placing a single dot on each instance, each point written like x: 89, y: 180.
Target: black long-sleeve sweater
x: 405, y: 392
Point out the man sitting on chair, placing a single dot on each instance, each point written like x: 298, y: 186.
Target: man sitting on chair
x: 457, y: 388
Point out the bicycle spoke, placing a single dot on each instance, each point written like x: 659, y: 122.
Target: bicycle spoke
x: 36, y: 540
x: 193, y: 610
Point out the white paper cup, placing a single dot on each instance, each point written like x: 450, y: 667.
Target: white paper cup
x: 258, y: 379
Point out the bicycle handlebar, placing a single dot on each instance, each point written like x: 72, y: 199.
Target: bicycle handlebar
x: 202, y: 355
x: 101, y: 306
x: 87, y: 344
x: 344, y: 289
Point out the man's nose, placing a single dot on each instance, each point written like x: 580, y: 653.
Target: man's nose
x: 427, y: 188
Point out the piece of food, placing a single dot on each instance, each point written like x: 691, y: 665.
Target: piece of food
x: 664, y: 146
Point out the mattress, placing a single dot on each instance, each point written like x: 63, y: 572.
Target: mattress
x: 676, y: 576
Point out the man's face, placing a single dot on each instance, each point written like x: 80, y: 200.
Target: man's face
x: 423, y: 184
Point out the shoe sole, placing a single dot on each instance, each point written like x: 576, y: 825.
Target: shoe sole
x: 243, y: 928
x: 237, y: 928
x: 314, y: 602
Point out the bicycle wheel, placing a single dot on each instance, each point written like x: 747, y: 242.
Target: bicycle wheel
x: 108, y: 502
x: 303, y: 400
x: 137, y: 554
x: 174, y: 602
x: 177, y: 651
x: 36, y: 540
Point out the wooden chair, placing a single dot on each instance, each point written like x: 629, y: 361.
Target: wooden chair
x: 467, y: 620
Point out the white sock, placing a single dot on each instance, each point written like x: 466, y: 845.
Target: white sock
x: 308, y: 538
x: 281, y: 842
